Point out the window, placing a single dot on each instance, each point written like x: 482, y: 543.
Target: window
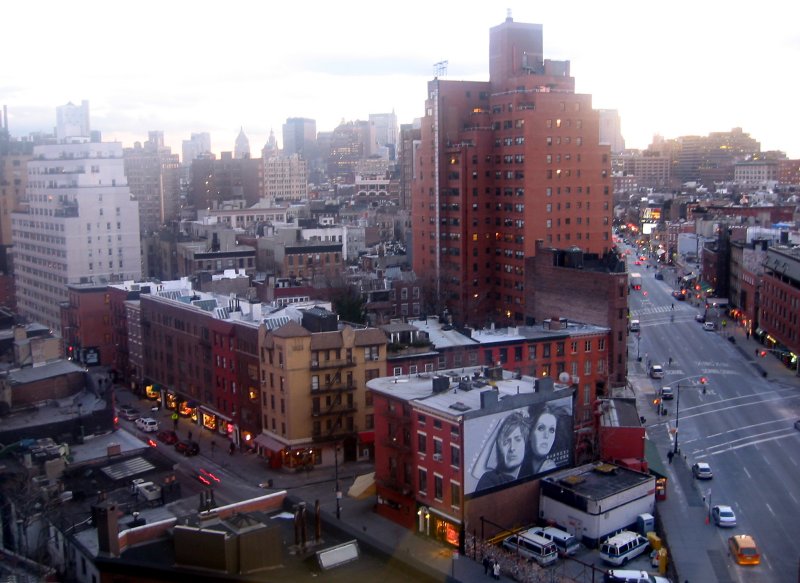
x: 422, y: 486
x: 587, y: 346
x: 455, y: 456
x: 422, y: 443
x: 438, y: 484
x: 545, y: 351
x: 437, y: 446
x: 455, y: 494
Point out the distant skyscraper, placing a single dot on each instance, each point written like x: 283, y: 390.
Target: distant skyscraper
x: 270, y: 149
x: 410, y: 136
x: 85, y: 224
x: 153, y: 173
x: 72, y: 121
x: 611, y: 130
x: 384, y: 126
x: 195, y: 146
x: 241, y: 149
x: 300, y: 137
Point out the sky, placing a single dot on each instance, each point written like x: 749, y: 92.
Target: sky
x: 673, y: 69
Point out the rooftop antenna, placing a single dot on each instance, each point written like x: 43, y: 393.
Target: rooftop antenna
x: 508, y: 15
x: 440, y: 69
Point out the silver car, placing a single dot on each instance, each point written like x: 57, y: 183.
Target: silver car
x: 723, y: 516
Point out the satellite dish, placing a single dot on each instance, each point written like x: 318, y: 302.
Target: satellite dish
x: 564, y: 377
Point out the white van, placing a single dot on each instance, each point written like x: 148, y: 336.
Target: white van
x: 635, y: 326
x: 630, y: 576
x: 532, y: 546
x: 622, y: 547
x: 565, y: 542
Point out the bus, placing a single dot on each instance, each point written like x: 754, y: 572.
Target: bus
x: 635, y: 280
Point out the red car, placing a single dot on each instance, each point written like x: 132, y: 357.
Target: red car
x: 167, y: 436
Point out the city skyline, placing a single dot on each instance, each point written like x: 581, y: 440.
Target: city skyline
x: 199, y: 69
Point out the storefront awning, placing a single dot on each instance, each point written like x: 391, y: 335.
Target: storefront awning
x: 366, y: 437
x: 363, y: 487
x: 269, y: 443
x: 654, y: 462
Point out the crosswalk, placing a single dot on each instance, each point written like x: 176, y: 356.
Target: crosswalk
x: 660, y: 310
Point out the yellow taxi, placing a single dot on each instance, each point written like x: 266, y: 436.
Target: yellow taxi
x: 744, y: 550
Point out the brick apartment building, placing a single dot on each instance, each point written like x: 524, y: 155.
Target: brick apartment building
x: 434, y: 441
x: 502, y: 164
x: 590, y: 289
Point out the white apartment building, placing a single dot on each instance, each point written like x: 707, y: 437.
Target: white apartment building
x: 286, y: 178
x: 79, y: 225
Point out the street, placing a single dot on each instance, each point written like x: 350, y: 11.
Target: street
x: 740, y: 421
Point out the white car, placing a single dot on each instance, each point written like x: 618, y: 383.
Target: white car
x: 709, y: 326
x: 723, y: 515
x: 147, y: 424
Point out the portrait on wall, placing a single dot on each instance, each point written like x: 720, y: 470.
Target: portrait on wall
x: 516, y: 445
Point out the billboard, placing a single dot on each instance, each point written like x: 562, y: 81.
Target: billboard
x: 516, y: 445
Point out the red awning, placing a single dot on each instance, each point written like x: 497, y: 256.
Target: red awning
x: 366, y: 437
x: 269, y: 443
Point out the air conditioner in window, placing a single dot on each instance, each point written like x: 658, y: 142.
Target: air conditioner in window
x: 576, y: 380
x: 314, y: 363
x: 437, y: 457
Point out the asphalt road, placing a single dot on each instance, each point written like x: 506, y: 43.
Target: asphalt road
x: 741, y: 422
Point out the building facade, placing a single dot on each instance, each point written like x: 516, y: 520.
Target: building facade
x: 80, y: 225
x: 286, y: 178
x: 503, y: 164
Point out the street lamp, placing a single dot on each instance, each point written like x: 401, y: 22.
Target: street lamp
x: 336, y: 474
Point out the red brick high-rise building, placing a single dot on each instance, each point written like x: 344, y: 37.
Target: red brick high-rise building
x: 503, y: 164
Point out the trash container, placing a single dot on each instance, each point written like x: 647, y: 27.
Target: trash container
x: 645, y: 523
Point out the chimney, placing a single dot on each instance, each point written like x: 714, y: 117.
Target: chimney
x: 104, y: 515
x: 489, y: 398
x: 544, y: 385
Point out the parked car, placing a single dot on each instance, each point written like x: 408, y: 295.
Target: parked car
x: 709, y: 326
x: 187, y: 447
x: 744, y: 550
x: 702, y: 471
x: 667, y: 394
x: 723, y: 515
x: 167, y: 436
x: 659, y: 275
x: 147, y: 424
x: 128, y: 412
x: 700, y: 318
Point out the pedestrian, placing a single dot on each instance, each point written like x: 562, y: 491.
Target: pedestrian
x: 190, y: 436
x: 670, y: 361
x: 496, y: 570
x: 487, y: 564
x: 670, y: 455
x: 231, y: 448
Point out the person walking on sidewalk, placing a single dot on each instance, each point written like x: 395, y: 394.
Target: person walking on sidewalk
x: 496, y: 570
x: 487, y: 564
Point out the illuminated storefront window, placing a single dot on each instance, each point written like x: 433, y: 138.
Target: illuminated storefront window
x: 209, y: 420
x: 172, y: 401
x: 151, y: 392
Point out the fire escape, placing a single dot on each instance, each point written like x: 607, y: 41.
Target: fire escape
x: 333, y: 400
